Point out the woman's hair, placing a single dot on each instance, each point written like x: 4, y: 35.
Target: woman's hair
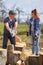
x: 35, y: 13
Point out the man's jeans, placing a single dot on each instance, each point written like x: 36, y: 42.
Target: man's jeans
x: 35, y: 44
x: 5, y: 40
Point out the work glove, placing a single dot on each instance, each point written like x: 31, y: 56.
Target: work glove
x: 12, y: 32
x: 35, y: 37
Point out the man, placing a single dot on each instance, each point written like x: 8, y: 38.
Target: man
x: 10, y: 25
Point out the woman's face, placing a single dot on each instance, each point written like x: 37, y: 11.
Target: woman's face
x: 32, y: 14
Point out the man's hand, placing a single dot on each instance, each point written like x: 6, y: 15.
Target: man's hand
x: 12, y: 32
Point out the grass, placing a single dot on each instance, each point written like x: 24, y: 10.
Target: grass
x: 20, y: 29
x: 1, y: 28
x: 41, y: 27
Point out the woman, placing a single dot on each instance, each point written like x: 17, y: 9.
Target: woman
x: 35, y: 31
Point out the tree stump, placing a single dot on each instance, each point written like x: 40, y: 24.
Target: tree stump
x: 41, y: 58
x: 16, y: 56
x: 32, y: 60
x: 10, y: 50
x: 3, y: 56
x: 12, y: 55
x: 20, y: 46
x: 27, y: 61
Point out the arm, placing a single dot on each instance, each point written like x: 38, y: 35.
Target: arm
x: 7, y: 26
x: 37, y: 26
x: 30, y: 28
x: 15, y: 25
x: 14, y: 29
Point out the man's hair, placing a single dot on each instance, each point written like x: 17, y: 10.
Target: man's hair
x: 12, y: 12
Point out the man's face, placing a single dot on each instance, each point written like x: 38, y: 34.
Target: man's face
x: 11, y: 16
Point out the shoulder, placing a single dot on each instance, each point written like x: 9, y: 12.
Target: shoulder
x: 30, y: 20
x: 6, y: 19
x: 37, y: 20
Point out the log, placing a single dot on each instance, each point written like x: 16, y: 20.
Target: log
x: 16, y: 56
x: 10, y: 50
x: 3, y: 56
x: 27, y: 61
x: 20, y: 46
x: 12, y: 55
x: 3, y: 52
x: 32, y: 60
x: 41, y: 58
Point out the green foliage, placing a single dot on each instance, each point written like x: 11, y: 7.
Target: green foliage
x: 1, y: 28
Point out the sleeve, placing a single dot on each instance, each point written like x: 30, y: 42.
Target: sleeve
x: 15, y: 20
x: 5, y: 20
x: 37, y: 25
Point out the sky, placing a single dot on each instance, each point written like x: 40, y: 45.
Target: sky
x: 25, y: 5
